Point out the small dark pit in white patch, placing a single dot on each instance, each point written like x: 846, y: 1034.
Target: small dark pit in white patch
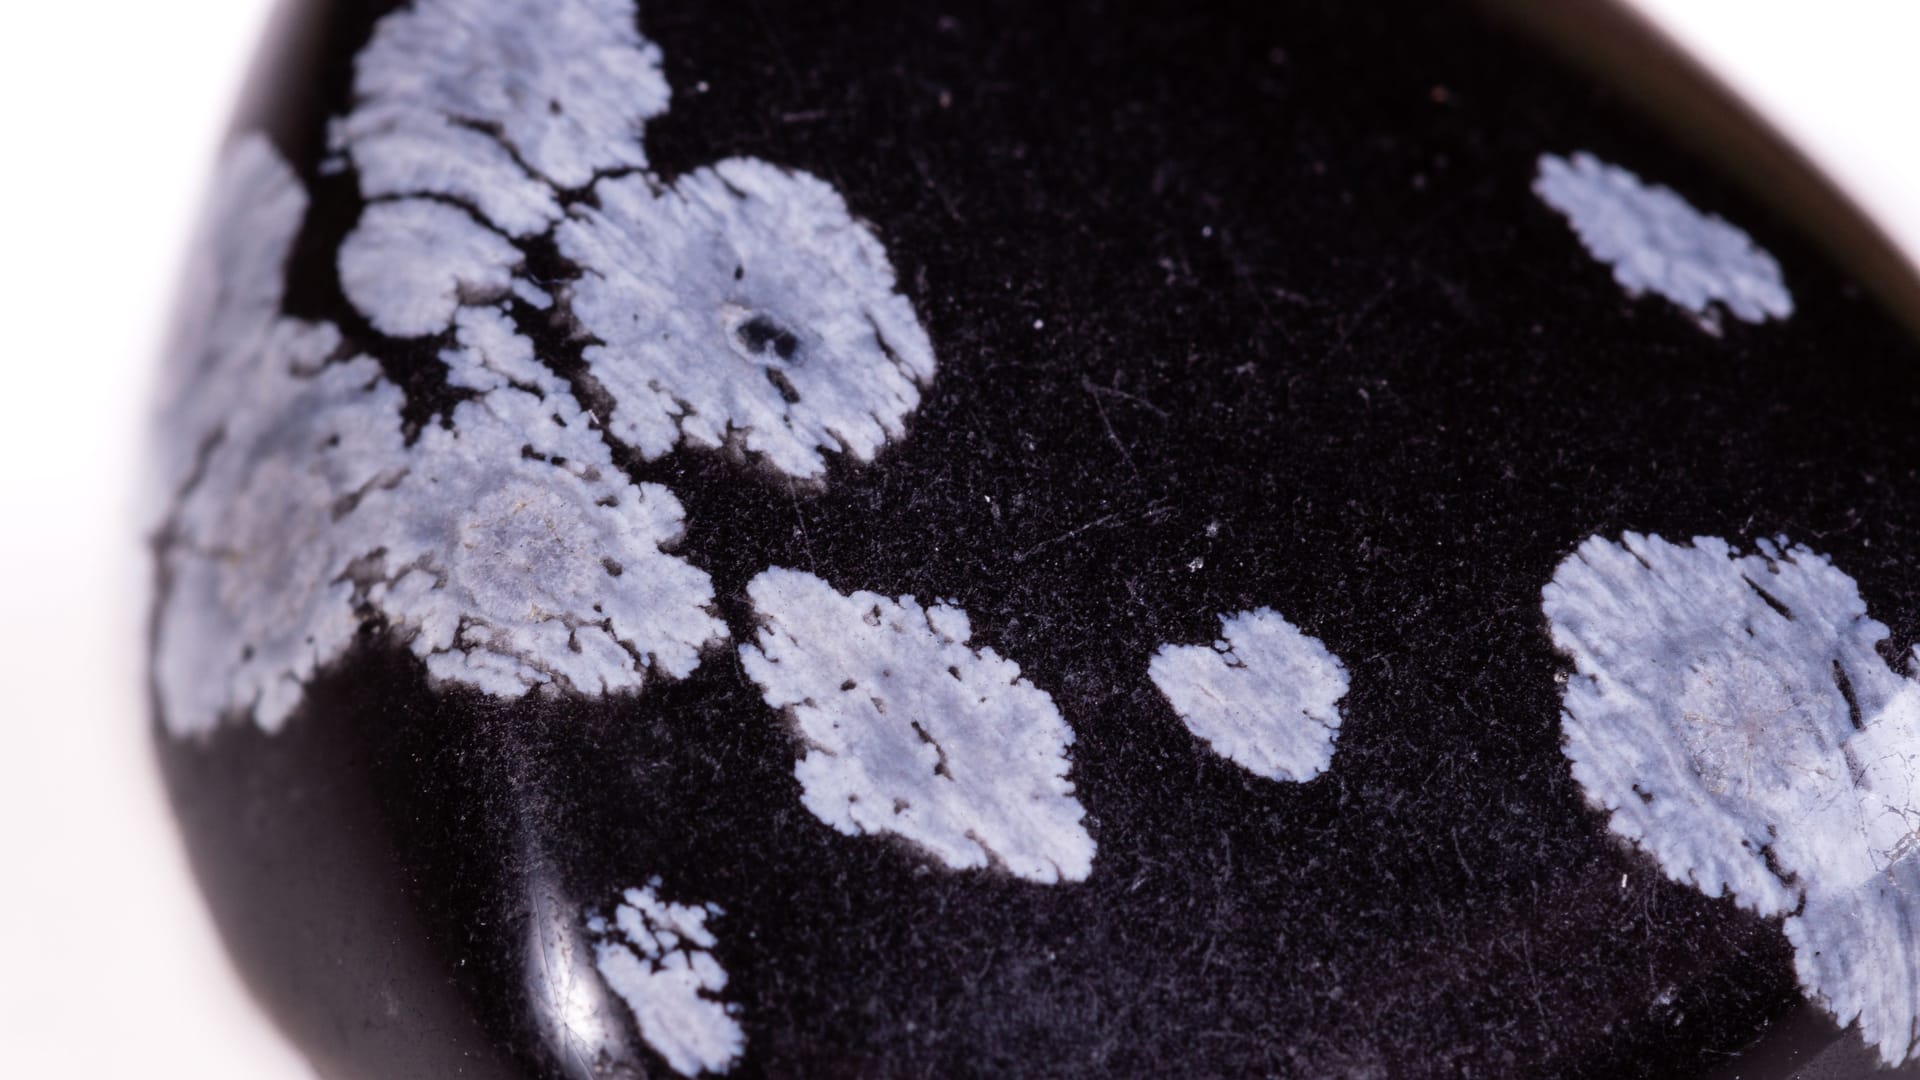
x: 761, y: 335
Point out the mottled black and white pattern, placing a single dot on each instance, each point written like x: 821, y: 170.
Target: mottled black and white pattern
x: 502, y: 543
x: 654, y: 955
x: 744, y: 303
x: 1004, y: 539
x: 498, y: 103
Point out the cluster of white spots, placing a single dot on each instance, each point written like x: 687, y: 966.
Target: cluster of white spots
x: 518, y: 556
x: 741, y: 305
x: 498, y: 103
x: 657, y: 956
x: 1655, y: 241
x: 910, y: 731
x: 744, y: 302
x: 1264, y: 696
x: 1734, y: 716
x: 504, y: 547
x: 412, y: 263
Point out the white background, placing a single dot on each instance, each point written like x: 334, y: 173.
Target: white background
x: 108, y: 966
x: 111, y: 110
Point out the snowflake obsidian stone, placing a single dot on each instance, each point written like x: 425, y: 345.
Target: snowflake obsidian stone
x: 757, y: 539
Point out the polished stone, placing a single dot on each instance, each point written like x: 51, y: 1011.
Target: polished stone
x: 994, y: 539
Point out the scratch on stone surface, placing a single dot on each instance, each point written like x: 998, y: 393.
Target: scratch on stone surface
x: 1353, y: 321
x: 1095, y: 388
x: 1154, y: 510
x: 926, y: 177
x: 1125, y: 454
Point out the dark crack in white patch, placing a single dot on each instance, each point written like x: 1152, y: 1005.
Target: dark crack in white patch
x: 500, y: 103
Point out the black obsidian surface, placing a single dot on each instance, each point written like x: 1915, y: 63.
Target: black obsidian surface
x: 1275, y: 268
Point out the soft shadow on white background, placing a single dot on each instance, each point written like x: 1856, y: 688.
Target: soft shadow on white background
x: 109, y: 115
x: 112, y: 110
x: 1837, y: 77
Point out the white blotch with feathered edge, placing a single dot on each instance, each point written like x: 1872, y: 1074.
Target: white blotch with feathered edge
x: 516, y: 556
x: 1265, y: 696
x: 911, y: 731
x: 503, y: 547
x: 502, y: 104
x: 1656, y: 242
x: 257, y: 599
x: 412, y: 263
x: 742, y: 305
x: 657, y: 956
x: 1734, y: 717
x: 231, y: 322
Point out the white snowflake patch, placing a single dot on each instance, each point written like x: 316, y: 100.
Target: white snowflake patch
x: 503, y: 547
x: 1656, y: 242
x: 517, y: 556
x: 1265, y: 696
x: 412, y: 263
x: 744, y: 300
x: 741, y: 305
x: 657, y: 957
x: 911, y: 731
x: 498, y: 103
x: 258, y: 599
x: 1733, y: 715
